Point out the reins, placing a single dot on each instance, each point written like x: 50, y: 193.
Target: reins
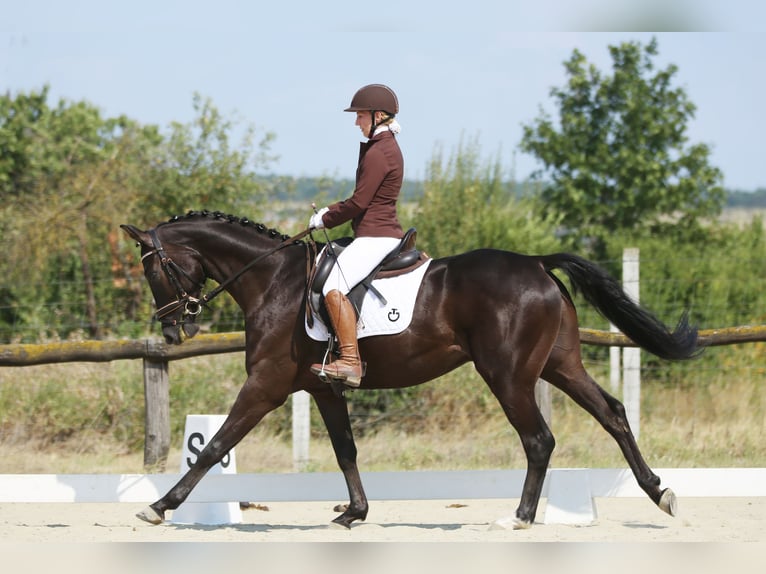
x: 222, y: 286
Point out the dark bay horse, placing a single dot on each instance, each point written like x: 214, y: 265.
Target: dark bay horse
x: 506, y: 312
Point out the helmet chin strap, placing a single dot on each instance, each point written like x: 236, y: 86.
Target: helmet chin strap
x: 374, y: 125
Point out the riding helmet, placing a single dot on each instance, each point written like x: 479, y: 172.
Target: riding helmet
x: 374, y: 97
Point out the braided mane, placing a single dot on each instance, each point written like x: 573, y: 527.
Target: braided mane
x: 243, y: 221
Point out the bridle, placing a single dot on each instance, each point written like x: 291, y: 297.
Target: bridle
x: 192, y: 306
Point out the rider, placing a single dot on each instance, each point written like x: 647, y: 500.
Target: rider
x: 372, y: 212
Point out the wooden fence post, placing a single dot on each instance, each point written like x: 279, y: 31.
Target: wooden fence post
x: 157, y: 409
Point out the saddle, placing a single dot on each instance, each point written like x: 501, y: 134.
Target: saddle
x: 404, y: 258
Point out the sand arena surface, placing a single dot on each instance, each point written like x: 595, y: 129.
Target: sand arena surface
x: 629, y: 520
x: 630, y: 535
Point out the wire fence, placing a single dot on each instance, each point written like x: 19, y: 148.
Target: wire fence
x: 669, y: 287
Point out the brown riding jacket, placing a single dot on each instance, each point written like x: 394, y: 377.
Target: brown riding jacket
x: 372, y: 206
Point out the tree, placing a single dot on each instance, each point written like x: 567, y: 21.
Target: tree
x: 467, y: 204
x: 199, y: 167
x: 70, y: 173
x: 619, y: 158
x: 19, y: 119
x: 73, y: 176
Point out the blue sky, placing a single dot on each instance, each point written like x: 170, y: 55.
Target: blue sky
x: 476, y: 70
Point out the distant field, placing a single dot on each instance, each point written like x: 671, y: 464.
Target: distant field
x: 742, y: 215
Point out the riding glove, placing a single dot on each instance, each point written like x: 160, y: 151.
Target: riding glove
x: 316, y: 220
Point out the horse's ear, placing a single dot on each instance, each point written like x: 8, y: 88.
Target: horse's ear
x: 140, y: 236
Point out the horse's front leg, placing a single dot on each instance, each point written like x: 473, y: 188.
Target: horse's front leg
x: 335, y: 416
x: 252, y: 404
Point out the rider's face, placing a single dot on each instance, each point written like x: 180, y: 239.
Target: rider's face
x: 364, y: 121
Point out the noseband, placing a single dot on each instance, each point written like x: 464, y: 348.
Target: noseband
x: 191, y: 305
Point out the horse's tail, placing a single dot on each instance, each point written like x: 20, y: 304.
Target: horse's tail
x: 607, y: 296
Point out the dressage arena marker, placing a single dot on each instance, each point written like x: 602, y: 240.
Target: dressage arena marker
x: 399, y: 485
x: 570, y: 498
x: 197, y: 433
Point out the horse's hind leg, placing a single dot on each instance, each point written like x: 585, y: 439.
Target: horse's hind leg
x: 565, y: 371
x: 509, y: 352
x: 514, y: 389
x: 518, y: 402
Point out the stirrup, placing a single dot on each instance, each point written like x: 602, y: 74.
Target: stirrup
x: 343, y: 379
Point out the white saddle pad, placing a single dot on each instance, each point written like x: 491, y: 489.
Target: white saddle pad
x: 379, y: 319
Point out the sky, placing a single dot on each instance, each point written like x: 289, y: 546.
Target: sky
x: 464, y: 72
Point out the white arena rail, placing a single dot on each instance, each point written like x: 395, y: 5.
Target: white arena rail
x: 570, y: 493
x: 417, y: 485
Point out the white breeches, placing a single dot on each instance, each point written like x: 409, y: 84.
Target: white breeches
x: 357, y: 261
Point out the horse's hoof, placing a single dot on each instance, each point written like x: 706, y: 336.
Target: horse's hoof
x: 347, y: 518
x: 151, y: 516
x: 510, y: 523
x: 335, y: 525
x: 342, y: 522
x: 668, y: 502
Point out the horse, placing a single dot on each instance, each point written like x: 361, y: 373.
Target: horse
x: 506, y: 312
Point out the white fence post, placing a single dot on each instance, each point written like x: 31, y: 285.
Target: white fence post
x: 543, y: 399
x: 631, y: 356
x: 301, y: 430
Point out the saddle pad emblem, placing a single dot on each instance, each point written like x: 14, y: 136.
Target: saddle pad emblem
x: 376, y: 318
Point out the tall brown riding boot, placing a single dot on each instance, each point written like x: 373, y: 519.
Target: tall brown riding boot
x: 348, y: 368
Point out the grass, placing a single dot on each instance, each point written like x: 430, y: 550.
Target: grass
x: 88, y: 418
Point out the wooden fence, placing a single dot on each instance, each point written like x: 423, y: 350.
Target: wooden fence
x: 156, y: 355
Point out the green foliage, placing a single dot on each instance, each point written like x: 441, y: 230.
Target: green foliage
x: 198, y: 165
x: 76, y: 170
x: 718, y: 277
x: 75, y: 176
x: 618, y: 159
x: 468, y: 205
